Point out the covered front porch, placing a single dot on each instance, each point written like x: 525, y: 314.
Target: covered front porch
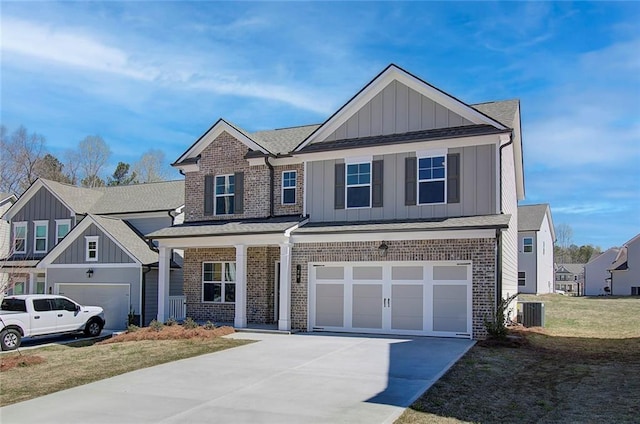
x: 234, y: 272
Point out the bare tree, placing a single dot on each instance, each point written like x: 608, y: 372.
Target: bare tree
x: 72, y: 165
x: 94, y: 154
x: 564, y: 239
x: 20, y: 154
x: 151, y: 167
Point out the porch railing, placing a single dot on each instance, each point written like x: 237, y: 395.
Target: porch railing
x: 178, y: 307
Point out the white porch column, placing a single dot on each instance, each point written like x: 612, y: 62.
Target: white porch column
x: 284, y: 318
x: 240, y: 320
x: 32, y: 283
x: 164, y: 264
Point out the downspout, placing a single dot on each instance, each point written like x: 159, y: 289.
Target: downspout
x: 271, y: 184
x: 498, y: 298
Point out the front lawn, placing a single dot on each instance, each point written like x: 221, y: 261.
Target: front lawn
x: 583, y: 367
x: 64, y: 366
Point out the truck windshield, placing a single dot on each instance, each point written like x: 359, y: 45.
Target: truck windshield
x: 17, y: 305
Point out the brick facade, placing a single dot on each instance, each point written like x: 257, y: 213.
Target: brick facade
x: 479, y: 251
x: 278, y: 207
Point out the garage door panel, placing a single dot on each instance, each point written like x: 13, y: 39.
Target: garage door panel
x: 367, y: 301
x: 330, y: 305
x: 113, y: 298
x: 407, y: 307
x: 450, y: 308
x: 449, y: 272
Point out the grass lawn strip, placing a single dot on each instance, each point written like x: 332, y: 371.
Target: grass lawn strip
x: 74, y: 364
x: 553, y: 377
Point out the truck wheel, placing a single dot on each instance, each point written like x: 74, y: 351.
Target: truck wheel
x: 93, y: 328
x: 10, y: 339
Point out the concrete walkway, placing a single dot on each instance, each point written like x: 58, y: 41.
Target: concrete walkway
x: 302, y: 378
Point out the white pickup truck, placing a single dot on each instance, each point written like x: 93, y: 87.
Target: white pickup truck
x: 40, y: 314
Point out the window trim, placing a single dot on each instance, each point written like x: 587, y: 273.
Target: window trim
x: 430, y: 155
x: 294, y: 188
x: 60, y: 222
x: 222, y: 283
x: 22, y: 224
x: 87, y: 240
x: 358, y: 161
x: 37, y: 224
x: 216, y: 195
x: 523, y: 278
x: 524, y: 244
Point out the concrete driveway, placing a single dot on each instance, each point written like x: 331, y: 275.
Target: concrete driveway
x: 303, y: 378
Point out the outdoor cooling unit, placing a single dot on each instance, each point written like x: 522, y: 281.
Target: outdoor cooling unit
x: 531, y: 314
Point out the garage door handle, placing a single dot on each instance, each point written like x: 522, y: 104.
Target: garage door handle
x: 59, y: 315
x: 36, y: 317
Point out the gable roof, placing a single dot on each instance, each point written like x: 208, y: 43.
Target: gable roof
x: 284, y: 140
x: 504, y: 111
x: 621, y: 262
x: 150, y: 197
x: 570, y: 268
x: 125, y: 237
x: 7, y: 196
x: 530, y: 218
x: 375, y: 86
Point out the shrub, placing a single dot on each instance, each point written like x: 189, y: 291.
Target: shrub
x: 132, y: 328
x: 170, y: 322
x: 496, y: 325
x: 209, y: 325
x: 190, y: 323
x: 156, y: 325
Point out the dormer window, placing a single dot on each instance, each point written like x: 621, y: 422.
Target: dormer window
x: 91, y: 248
x: 225, y: 194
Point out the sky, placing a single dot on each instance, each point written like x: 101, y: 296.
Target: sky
x: 156, y: 75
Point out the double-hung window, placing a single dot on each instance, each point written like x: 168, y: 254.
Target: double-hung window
x: 91, y: 248
x: 225, y: 189
x: 289, y: 187
x: 522, y: 278
x: 63, y: 226
x: 40, y: 233
x: 432, y: 179
x: 527, y: 244
x: 358, y: 185
x: 19, y: 237
x: 219, y: 282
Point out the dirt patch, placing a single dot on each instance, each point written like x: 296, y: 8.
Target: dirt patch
x: 173, y: 332
x: 7, y: 362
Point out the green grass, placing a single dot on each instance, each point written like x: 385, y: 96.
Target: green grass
x: 583, y: 367
x: 83, y: 362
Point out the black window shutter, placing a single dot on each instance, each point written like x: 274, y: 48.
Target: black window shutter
x: 453, y: 178
x: 376, y: 187
x: 410, y: 175
x: 208, y: 194
x: 338, y: 194
x: 238, y: 201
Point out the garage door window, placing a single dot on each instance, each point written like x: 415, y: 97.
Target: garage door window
x: 219, y: 282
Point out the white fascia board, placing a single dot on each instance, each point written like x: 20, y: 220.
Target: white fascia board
x: 222, y: 241
x: 275, y: 161
x: 94, y: 265
x: 140, y: 215
x: 451, y: 143
x: 213, y: 133
x: 377, y: 85
x: 393, y: 236
x: 192, y: 167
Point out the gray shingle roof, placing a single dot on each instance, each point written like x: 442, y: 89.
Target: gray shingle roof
x: 503, y: 111
x: 460, y: 223
x: 572, y: 268
x: 530, y: 216
x: 4, y: 196
x: 128, y: 238
x: 227, y: 228
x: 166, y: 195
x: 283, y: 140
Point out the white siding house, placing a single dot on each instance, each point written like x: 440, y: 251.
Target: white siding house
x: 535, y: 249
x: 625, y: 271
x: 596, y: 273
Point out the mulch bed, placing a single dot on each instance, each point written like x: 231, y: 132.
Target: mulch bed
x: 172, y: 332
x: 11, y: 361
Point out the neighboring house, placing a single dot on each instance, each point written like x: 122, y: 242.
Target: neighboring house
x: 535, y: 249
x: 397, y: 215
x: 6, y: 200
x: 625, y: 270
x: 597, y: 277
x: 89, y: 244
x: 570, y: 278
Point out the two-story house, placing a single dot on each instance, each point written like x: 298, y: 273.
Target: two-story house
x: 536, y: 237
x: 397, y: 215
x: 89, y: 244
x: 597, y: 276
x: 570, y: 278
x: 625, y: 270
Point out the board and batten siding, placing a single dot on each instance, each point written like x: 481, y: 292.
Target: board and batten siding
x: 150, y: 292
x: 477, y: 189
x: 43, y: 206
x: 397, y: 109
x: 108, y: 251
x: 149, y: 225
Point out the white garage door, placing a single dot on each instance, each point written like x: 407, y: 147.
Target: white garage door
x: 113, y: 298
x: 409, y: 298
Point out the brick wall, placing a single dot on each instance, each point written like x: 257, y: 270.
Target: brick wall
x: 278, y: 207
x: 260, y: 284
x: 479, y: 251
